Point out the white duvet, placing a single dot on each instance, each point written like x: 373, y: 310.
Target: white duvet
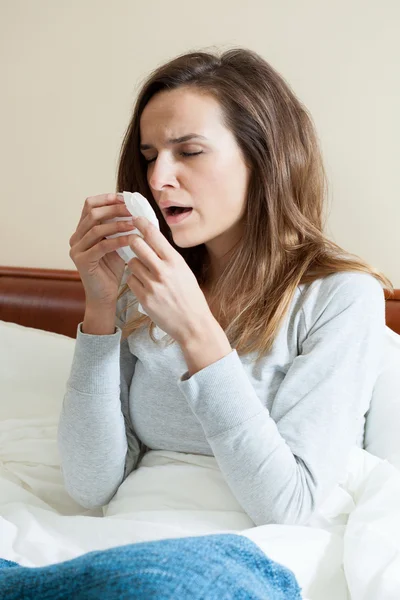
x: 355, y: 538
x: 351, y: 549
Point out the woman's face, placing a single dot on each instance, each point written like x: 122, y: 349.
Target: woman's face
x: 213, y: 182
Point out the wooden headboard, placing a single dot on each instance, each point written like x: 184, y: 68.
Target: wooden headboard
x: 54, y: 300
x: 49, y: 299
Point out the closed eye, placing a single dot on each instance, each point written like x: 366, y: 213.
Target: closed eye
x: 182, y: 153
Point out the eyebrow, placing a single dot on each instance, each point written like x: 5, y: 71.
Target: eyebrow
x: 179, y: 140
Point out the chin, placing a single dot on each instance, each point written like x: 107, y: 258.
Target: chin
x: 188, y: 244
x: 186, y: 241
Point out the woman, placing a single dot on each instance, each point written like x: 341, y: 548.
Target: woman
x: 275, y: 332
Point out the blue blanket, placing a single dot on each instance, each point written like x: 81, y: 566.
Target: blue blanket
x: 210, y: 567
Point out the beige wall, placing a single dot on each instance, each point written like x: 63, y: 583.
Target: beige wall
x: 69, y: 75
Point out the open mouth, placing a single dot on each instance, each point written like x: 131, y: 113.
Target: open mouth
x: 175, y: 214
x: 177, y: 210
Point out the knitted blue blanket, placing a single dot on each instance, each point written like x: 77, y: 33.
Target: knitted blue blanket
x: 210, y: 567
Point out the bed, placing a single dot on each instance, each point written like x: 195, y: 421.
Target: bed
x: 351, y: 550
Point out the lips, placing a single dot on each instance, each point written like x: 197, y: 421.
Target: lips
x: 164, y: 204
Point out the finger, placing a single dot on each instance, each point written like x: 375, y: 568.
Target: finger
x: 135, y: 285
x: 155, y: 239
x: 145, y: 254
x: 100, y: 200
x: 98, y: 232
x: 95, y: 216
x: 99, y: 250
x: 138, y: 271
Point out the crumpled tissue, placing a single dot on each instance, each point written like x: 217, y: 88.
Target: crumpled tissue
x: 138, y: 206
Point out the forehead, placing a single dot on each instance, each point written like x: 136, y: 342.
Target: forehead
x: 173, y: 113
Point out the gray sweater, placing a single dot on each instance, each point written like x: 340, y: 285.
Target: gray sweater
x: 280, y: 431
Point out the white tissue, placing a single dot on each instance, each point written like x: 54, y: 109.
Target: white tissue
x: 138, y: 206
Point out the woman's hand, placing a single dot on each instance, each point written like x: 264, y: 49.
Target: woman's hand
x: 99, y: 265
x: 164, y: 284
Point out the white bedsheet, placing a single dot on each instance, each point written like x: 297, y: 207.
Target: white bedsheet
x: 350, y: 551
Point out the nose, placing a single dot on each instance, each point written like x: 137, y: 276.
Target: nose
x: 161, y: 172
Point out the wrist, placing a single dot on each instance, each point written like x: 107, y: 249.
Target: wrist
x: 204, y: 346
x: 200, y: 331
x: 99, y: 321
x: 100, y: 307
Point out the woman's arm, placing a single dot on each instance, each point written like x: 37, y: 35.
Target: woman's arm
x: 97, y: 445
x: 281, y: 465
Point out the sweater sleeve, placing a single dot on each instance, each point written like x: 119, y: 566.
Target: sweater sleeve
x: 97, y: 444
x: 280, y: 466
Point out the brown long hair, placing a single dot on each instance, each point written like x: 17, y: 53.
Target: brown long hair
x: 283, y: 244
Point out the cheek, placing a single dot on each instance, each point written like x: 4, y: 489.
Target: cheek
x: 230, y: 182
x: 215, y: 175
x: 220, y: 183
x: 230, y: 169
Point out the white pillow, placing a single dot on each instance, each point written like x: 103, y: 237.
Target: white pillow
x: 382, y: 427
x: 34, y: 368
